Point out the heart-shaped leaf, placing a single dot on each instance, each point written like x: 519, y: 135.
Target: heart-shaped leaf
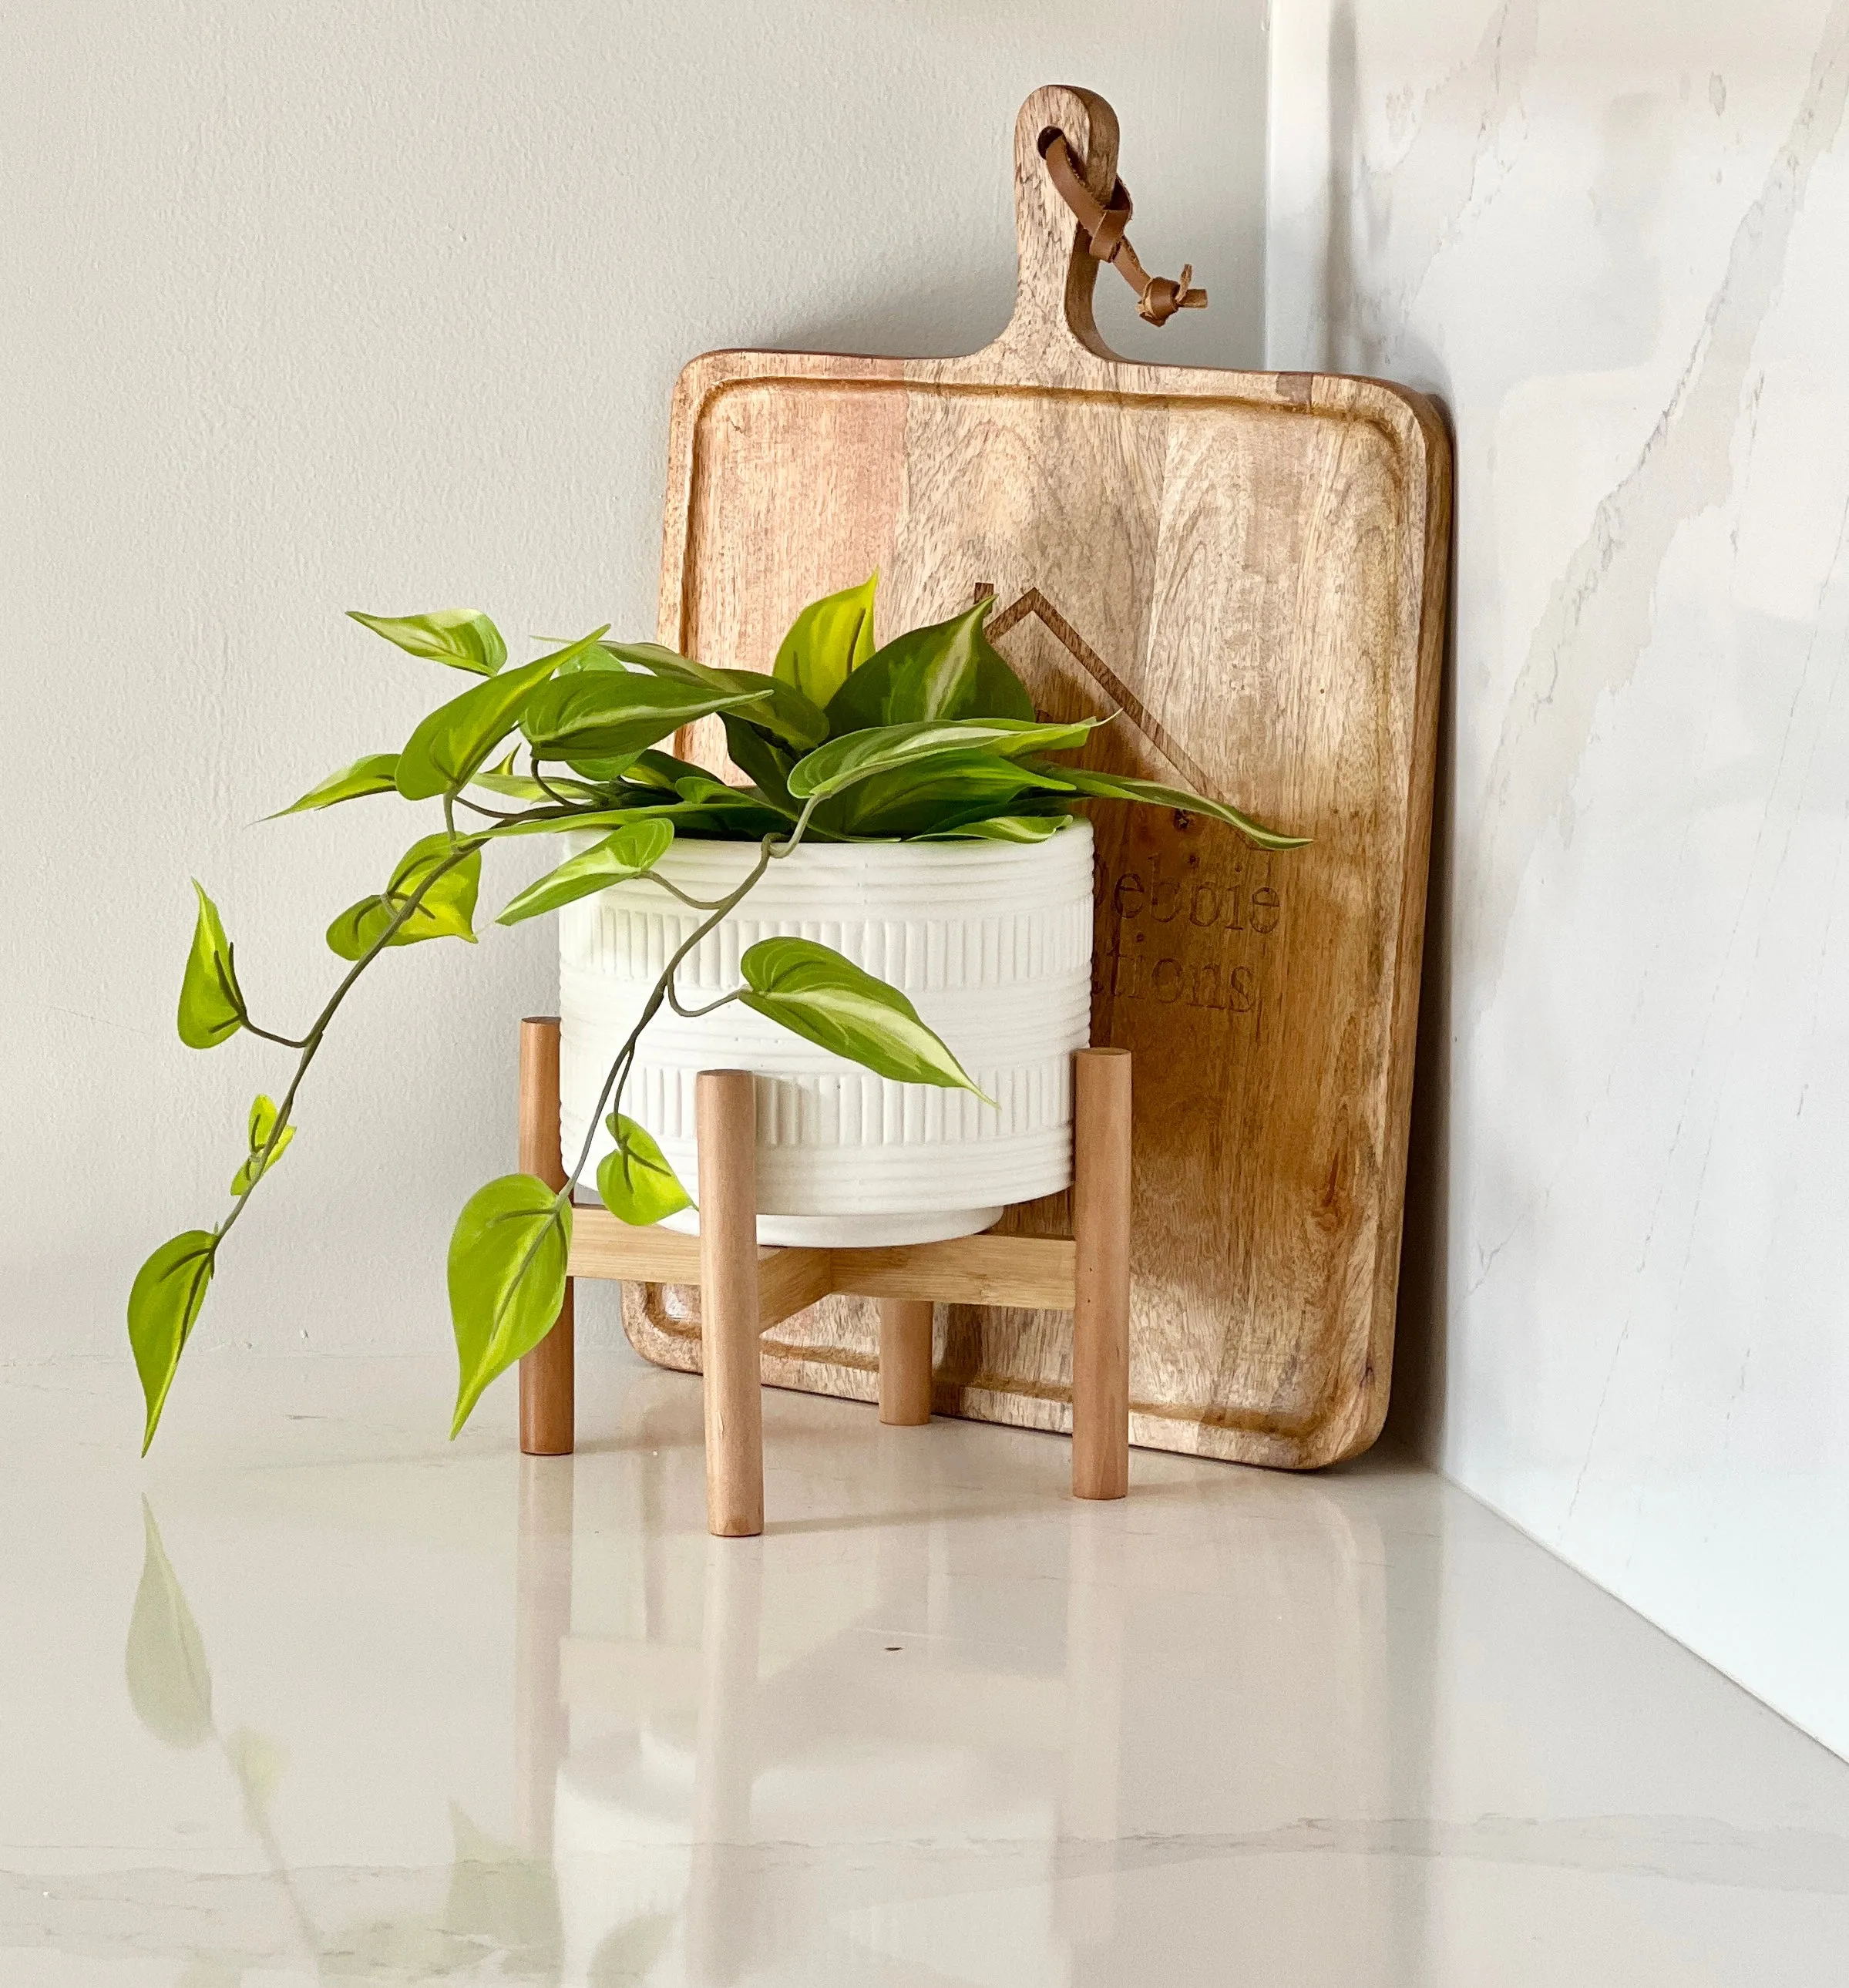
x: 446, y: 910
x: 843, y: 763
x: 598, y: 712
x: 762, y: 762
x: 731, y: 814
x: 1120, y: 787
x: 827, y: 641
x: 602, y: 770
x: 661, y: 771
x: 170, y: 1684
x: 377, y: 773
x: 521, y: 787
x: 778, y: 707
x: 455, y: 740
x: 634, y: 851
x: 464, y: 638
x: 163, y: 1304
x: 507, y: 1261
x: 211, y: 1003
x: 1003, y: 828
x: 940, y: 792
x: 636, y: 1183
x: 262, y: 1123
x: 949, y: 670
x: 815, y: 992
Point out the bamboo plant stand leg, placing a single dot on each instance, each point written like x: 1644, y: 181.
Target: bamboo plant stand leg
x: 726, y: 1106
x: 744, y: 1290
x: 548, y: 1411
x: 1100, y: 1318
x: 905, y: 1361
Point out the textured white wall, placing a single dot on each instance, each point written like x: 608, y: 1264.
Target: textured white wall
x: 1612, y: 239
x: 312, y: 308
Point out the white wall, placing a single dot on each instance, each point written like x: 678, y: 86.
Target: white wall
x: 1612, y: 239
x: 304, y: 309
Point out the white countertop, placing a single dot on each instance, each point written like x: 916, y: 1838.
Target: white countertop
x: 397, y: 1711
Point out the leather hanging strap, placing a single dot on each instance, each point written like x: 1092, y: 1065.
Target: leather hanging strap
x: 1158, y: 298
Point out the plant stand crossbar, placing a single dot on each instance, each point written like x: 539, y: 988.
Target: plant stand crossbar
x: 746, y: 1288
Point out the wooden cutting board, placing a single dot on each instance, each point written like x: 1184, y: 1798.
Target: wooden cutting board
x: 1249, y: 567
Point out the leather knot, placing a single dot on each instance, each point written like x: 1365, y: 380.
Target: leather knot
x: 1162, y: 296
x: 1158, y: 298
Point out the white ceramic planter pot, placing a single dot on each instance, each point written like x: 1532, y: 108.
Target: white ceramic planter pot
x: 992, y: 941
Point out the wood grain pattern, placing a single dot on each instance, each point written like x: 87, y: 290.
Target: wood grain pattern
x: 728, y: 1281
x: 1249, y: 567
x: 905, y: 1329
x: 549, y: 1373
x: 1102, y: 1173
x: 991, y: 1269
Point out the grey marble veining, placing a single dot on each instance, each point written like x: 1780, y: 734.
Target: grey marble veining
x: 1611, y: 240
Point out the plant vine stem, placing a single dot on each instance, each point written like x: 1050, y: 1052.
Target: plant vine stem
x: 772, y: 848
x: 675, y: 891
x: 312, y: 1041
x: 543, y: 782
x: 282, y: 1042
x: 712, y: 1007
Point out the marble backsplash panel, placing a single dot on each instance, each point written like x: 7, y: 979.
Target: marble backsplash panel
x: 1615, y: 241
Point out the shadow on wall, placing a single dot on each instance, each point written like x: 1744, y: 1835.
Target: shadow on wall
x: 1415, y: 1411
x: 1344, y: 165
x: 1416, y: 1406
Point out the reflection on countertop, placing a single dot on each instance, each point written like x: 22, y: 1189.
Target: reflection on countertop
x: 315, y: 1697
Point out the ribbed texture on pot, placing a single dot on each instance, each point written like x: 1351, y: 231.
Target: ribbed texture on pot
x: 990, y: 941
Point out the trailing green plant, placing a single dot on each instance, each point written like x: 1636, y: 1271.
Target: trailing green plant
x: 930, y: 738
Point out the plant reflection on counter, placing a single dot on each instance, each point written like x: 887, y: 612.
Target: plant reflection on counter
x: 663, y: 1841
x: 502, y: 1901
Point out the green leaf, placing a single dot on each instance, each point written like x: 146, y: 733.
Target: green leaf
x: 211, y: 1003
x: 734, y: 814
x: 779, y: 708
x: 563, y: 824
x: 764, y: 763
x: 447, y: 911
x: 858, y: 755
x: 597, y: 713
x: 377, y: 773
x: 704, y: 789
x: 605, y: 770
x: 169, y: 1683
x: 949, y: 670
x: 522, y: 787
x: 1120, y: 787
x: 452, y: 742
x: 940, y: 792
x: 464, y: 638
x: 636, y: 1182
x: 814, y: 992
x: 659, y: 770
x: 827, y: 641
x: 634, y: 851
x: 262, y: 1123
x: 1002, y: 828
x: 710, y: 809
x: 163, y: 1304
x: 507, y: 1262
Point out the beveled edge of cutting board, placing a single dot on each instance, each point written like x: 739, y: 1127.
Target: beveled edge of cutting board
x: 1051, y: 347
x: 1415, y: 425
x: 1412, y: 421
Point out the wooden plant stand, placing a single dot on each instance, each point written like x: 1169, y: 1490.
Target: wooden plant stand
x: 745, y: 1288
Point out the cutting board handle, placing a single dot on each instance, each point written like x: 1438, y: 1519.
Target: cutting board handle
x: 1052, y: 302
